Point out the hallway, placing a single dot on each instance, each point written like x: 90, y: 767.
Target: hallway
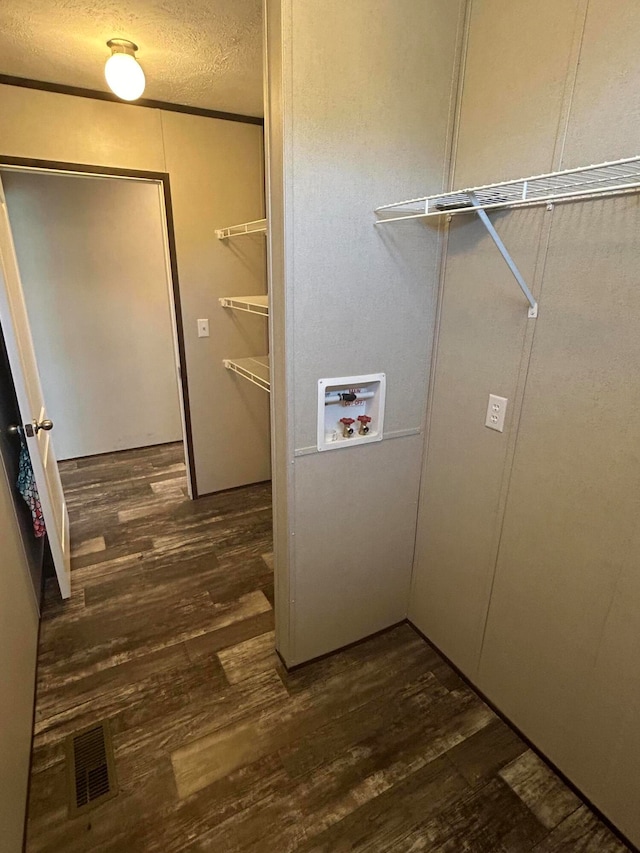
x: 169, y: 635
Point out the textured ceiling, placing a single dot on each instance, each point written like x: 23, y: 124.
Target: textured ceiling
x: 204, y: 53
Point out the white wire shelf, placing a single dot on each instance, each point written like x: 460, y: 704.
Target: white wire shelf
x: 604, y: 179
x: 255, y: 369
x: 252, y: 304
x: 587, y: 182
x: 258, y: 226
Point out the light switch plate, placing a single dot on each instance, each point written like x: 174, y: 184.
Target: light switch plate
x: 203, y: 328
x: 496, y: 411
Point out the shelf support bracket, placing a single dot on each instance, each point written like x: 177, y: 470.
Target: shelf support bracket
x: 484, y: 218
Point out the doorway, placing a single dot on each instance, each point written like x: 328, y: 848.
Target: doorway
x: 96, y: 252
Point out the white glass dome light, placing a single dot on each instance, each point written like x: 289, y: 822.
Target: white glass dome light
x: 122, y: 70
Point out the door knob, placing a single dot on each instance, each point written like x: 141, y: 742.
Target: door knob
x: 32, y: 428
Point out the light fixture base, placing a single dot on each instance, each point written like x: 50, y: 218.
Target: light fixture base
x: 122, y: 46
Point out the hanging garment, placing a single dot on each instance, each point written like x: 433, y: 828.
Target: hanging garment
x: 29, y: 490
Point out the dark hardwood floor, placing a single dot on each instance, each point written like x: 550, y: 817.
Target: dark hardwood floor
x: 169, y: 635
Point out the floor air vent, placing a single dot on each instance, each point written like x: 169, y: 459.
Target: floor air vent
x: 92, y: 778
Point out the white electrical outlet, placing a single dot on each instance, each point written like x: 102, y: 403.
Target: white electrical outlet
x: 203, y: 328
x: 496, y: 410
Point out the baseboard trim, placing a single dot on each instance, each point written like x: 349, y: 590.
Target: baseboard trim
x: 232, y: 489
x: 505, y: 719
x: 296, y: 666
x: 95, y: 456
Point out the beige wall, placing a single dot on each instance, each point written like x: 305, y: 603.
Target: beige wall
x: 215, y: 170
x: 92, y: 261
x: 18, y: 642
x: 348, y: 133
x: 526, y: 560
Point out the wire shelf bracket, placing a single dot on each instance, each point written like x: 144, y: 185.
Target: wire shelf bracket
x: 258, y: 226
x: 252, y: 304
x: 617, y: 177
x: 255, y: 370
x: 488, y: 224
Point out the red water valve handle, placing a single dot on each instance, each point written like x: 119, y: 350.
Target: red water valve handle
x: 347, y: 421
x: 364, y: 419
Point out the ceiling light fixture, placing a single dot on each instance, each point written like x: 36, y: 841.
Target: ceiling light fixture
x: 124, y: 75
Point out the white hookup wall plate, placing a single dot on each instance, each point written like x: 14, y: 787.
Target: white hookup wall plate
x: 496, y: 411
x: 369, y: 391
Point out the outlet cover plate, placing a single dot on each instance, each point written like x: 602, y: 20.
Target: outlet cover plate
x: 496, y: 411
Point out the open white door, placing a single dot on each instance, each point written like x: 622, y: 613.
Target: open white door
x: 22, y: 359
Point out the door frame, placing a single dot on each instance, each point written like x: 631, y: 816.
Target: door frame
x: 79, y: 169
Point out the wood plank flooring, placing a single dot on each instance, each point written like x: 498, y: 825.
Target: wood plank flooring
x: 169, y: 635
